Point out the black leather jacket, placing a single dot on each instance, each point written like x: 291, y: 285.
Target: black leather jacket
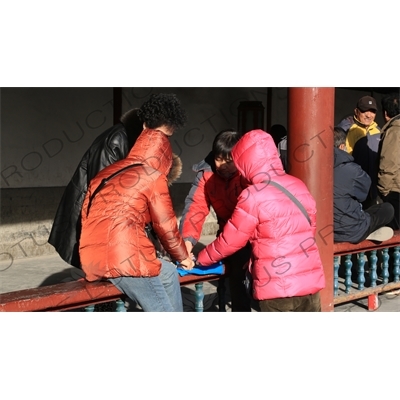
x: 109, y: 147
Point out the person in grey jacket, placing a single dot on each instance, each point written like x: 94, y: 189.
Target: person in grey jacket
x: 351, y: 185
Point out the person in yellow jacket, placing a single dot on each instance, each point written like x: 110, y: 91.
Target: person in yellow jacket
x: 362, y: 142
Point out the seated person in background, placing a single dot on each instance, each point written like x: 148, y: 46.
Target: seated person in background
x: 217, y: 184
x: 350, y: 188
x: 362, y: 143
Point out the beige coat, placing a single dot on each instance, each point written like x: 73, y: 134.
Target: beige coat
x: 389, y: 157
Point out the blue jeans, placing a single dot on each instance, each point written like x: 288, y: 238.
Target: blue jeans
x: 159, y: 293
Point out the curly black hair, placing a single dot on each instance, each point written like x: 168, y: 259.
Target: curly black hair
x: 162, y: 109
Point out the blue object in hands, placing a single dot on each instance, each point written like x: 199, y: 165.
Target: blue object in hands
x: 215, y: 269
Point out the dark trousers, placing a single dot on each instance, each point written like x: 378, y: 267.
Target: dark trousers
x: 381, y: 215
x: 235, y: 263
x: 393, y: 198
x: 308, y: 303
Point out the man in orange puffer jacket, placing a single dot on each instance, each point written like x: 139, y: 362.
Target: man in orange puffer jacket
x: 113, y: 243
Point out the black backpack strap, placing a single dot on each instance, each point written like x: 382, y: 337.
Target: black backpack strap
x: 104, y: 182
x: 298, y: 204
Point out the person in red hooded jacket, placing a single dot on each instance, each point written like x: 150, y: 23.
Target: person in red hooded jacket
x: 286, y: 268
x: 218, y: 184
x: 117, y: 208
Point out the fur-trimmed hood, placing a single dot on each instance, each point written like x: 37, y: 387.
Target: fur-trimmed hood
x: 176, y: 169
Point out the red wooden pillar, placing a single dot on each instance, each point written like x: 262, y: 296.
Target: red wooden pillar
x: 310, y: 157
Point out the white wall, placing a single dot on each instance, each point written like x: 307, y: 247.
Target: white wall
x: 45, y: 131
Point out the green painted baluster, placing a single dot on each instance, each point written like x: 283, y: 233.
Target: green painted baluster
x: 385, y: 266
x: 348, y: 264
x: 396, y: 264
x: 361, y: 277
x: 199, y: 297
x: 120, y: 306
x: 373, y: 262
x: 335, y: 275
x: 90, y: 308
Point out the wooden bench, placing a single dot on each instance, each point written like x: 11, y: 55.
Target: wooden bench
x: 367, y: 245
x: 82, y: 294
x: 342, y: 249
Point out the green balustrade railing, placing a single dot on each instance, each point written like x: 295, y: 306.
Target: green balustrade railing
x: 365, y: 270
